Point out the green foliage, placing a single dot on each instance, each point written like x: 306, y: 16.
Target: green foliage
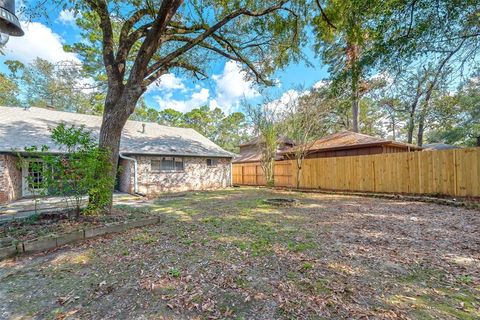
x: 56, y: 85
x: 8, y: 91
x: 228, y: 131
x: 75, y: 173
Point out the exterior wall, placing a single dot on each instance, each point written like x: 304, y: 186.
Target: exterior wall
x: 10, y: 179
x: 196, y: 176
x: 356, y: 152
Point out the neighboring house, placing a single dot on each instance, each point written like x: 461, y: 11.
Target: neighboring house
x: 153, y: 158
x: 347, y: 143
x: 251, y: 152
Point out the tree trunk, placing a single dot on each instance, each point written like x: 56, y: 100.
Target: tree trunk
x: 115, y: 115
x: 410, y: 128
x: 299, y: 169
x: 353, y: 62
x: 394, y: 129
x: 421, y: 129
x: 355, y: 116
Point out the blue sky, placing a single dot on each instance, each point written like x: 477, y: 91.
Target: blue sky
x: 225, y: 88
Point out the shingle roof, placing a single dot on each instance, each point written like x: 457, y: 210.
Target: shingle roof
x: 21, y: 128
x: 250, y: 152
x: 348, y: 139
x: 256, y: 140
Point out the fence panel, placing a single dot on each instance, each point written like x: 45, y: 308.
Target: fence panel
x: 447, y: 172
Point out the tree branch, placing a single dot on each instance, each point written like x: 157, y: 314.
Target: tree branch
x: 100, y: 7
x: 325, y: 16
x: 208, y: 32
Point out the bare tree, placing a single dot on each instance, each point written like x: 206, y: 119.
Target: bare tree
x: 266, y: 127
x: 305, y: 121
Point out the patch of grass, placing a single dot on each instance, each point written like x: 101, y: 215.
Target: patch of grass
x: 307, y: 266
x: 144, y: 237
x: 174, y: 272
x: 422, y: 274
x: 296, y: 246
x: 187, y: 242
x: 465, y: 279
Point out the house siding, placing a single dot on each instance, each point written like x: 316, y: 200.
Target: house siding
x: 10, y: 179
x: 352, y: 152
x: 195, y: 176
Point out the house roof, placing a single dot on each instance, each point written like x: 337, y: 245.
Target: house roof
x: 351, y: 140
x: 256, y: 140
x: 254, y: 155
x: 20, y: 128
x: 249, y: 152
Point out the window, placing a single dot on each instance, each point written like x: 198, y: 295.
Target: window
x: 211, y: 163
x: 167, y: 164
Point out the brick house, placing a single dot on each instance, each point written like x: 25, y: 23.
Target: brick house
x: 153, y: 158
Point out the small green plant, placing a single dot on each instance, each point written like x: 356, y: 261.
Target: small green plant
x: 465, y: 279
x: 174, y: 272
x: 187, y: 242
x: 307, y: 266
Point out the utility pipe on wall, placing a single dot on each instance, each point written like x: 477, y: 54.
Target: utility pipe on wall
x: 135, y: 174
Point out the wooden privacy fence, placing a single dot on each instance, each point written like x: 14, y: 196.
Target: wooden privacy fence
x: 447, y: 172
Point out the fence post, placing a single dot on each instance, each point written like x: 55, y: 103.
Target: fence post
x: 242, y: 175
x: 455, y: 184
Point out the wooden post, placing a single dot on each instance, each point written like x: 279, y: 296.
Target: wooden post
x: 242, y: 174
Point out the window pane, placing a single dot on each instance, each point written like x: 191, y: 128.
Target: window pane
x: 209, y: 162
x: 168, y: 164
x: 179, y: 164
x: 155, y: 165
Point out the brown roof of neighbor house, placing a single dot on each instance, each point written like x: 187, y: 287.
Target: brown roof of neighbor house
x: 249, y: 153
x: 351, y: 140
x: 256, y: 140
x: 21, y: 128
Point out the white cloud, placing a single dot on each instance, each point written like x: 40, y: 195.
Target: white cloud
x: 38, y: 41
x: 286, y: 101
x: 196, y: 100
x: 67, y: 17
x: 167, y: 82
x: 321, y: 84
x: 231, y: 87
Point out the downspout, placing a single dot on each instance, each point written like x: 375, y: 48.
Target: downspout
x: 135, y: 174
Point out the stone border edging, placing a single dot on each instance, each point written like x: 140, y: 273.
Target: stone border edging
x: 51, y: 242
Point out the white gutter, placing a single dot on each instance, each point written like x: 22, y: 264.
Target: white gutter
x: 135, y: 174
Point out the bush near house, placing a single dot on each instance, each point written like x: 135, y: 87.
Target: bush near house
x: 74, y: 173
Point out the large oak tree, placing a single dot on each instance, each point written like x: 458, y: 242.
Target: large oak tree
x: 139, y: 41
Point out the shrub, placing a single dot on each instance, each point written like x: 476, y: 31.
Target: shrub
x: 80, y: 170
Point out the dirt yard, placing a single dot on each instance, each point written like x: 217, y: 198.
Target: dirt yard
x: 227, y: 255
